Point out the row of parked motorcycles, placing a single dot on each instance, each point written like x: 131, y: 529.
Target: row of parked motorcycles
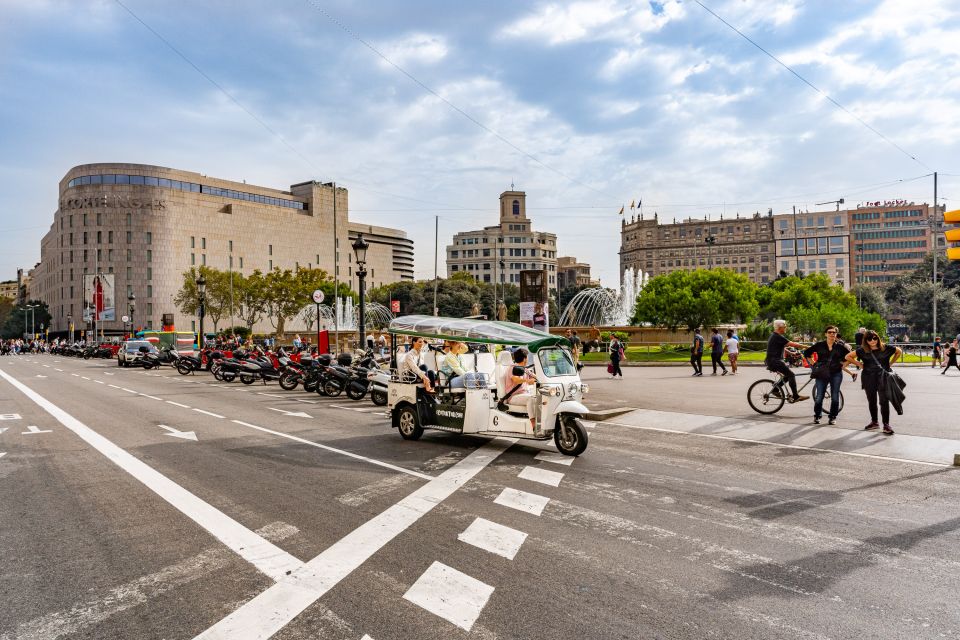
x: 356, y: 378
x: 85, y: 351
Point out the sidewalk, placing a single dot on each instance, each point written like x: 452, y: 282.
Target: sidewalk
x: 912, y: 448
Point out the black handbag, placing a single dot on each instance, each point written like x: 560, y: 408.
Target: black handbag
x: 891, y: 373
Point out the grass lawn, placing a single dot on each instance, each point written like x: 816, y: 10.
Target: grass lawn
x: 653, y: 354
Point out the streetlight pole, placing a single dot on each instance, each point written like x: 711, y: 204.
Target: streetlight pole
x: 201, y: 309
x: 131, y: 300
x: 33, y: 328
x: 360, y: 247
x: 862, y: 277
x: 70, y: 327
x: 710, y: 240
x: 936, y: 250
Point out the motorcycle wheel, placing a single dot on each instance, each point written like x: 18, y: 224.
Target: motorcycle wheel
x: 310, y: 387
x: 379, y: 397
x: 356, y: 393
x: 570, y: 437
x: 228, y: 376
x: 331, y: 388
x: 288, y: 381
x: 246, y: 378
x: 183, y: 368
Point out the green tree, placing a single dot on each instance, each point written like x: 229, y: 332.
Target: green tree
x: 455, y: 297
x: 698, y: 298
x: 786, y: 294
x: 216, y: 296
x: 287, y: 292
x: 918, y: 310
x: 250, y: 295
x: 14, y: 325
x: 6, y: 308
x: 872, y: 299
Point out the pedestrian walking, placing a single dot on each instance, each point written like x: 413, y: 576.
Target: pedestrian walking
x: 831, y: 356
x: 574, y: 347
x: 716, y: 352
x: 875, y: 357
x: 696, y: 353
x: 616, y: 356
x: 951, y: 359
x: 858, y: 337
x: 732, y: 345
x: 937, y: 353
x: 777, y: 342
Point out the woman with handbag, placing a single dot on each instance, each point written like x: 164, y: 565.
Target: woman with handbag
x: 827, y: 370
x: 875, y: 358
x: 616, y: 355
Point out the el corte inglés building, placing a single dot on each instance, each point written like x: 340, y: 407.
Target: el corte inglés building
x: 147, y: 225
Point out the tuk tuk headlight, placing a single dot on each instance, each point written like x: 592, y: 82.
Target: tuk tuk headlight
x: 573, y: 388
x: 551, y: 390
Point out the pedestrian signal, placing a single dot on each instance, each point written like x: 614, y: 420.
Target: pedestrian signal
x: 952, y: 235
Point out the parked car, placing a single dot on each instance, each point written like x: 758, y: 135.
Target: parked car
x: 130, y: 354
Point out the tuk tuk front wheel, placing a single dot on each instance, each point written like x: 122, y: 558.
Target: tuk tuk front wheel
x: 408, y: 424
x: 570, y: 436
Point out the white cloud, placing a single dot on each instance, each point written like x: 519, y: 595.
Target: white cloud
x: 416, y: 48
x: 558, y: 24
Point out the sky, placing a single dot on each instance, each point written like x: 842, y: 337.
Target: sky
x: 424, y: 109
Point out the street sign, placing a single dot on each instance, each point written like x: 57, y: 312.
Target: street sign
x: 395, y: 306
x: 318, y: 296
x: 125, y: 319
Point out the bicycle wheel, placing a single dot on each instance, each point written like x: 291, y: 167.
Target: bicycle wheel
x: 826, y: 399
x: 765, y: 396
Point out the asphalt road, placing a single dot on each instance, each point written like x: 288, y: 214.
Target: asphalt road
x: 307, y: 517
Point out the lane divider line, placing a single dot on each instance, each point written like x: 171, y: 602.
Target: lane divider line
x: 209, y: 413
x: 176, y: 404
x: 269, y: 612
x: 255, y: 549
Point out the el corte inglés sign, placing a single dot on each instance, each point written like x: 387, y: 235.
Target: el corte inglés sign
x: 118, y: 202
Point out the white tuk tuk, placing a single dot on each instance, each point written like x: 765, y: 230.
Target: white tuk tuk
x: 481, y: 407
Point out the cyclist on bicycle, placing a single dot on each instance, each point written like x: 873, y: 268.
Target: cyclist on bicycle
x: 775, y: 345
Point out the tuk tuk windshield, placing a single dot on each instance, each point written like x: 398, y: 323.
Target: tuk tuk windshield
x: 556, y: 362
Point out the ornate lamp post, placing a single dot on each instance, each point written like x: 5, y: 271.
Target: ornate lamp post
x: 70, y: 327
x: 201, y: 309
x: 710, y: 240
x: 360, y: 247
x: 131, y: 302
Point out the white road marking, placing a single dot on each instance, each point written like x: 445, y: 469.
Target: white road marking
x: 99, y: 381
x: 342, y: 452
x: 9, y: 416
x: 272, y: 395
x: 114, y: 386
x: 215, y: 415
x: 294, y: 414
x: 264, y: 555
x: 522, y: 501
x: 149, y: 396
x: 47, y: 366
x: 137, y: 592
x: 2, y: 429
x: 186, y: 435
x: 366, y: 637
x: 493, y: 537
x: 273, y: 609
x: 85, y: 377
x: 75, y: 375
x: 536, y: 474
x: 129, y: 390
x: 40, y: 376
x: 2, y: 453
x: 306, y: 401
x: 450, y: 594
x: 176, y: 404
x: 60, y: 370
x: 34, y: 429
x: 556, y: 458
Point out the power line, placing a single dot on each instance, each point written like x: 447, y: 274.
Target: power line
x: 450, y: 104
x: 814, y: 87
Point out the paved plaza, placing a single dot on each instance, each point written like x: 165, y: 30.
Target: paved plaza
x: 152, y: 505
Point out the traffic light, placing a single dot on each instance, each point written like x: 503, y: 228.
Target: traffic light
x: 953, y: 235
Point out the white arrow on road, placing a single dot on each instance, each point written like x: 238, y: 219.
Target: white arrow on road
x: 295, y: 414
x: 186, y: 435
x: 2, y: 429
x: 33, y: 429
x: 2, y: 453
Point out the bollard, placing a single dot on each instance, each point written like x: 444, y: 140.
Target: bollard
x: 956, y: 459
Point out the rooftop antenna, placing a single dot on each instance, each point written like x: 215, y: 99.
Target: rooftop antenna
x: 511, y: 184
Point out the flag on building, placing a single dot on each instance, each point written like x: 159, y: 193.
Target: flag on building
x: 621, y: 210
x: 633, y: 204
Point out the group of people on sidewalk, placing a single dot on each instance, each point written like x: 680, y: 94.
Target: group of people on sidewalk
x: 718, y: 345
x: 832, y: 357
x: 949, y: 350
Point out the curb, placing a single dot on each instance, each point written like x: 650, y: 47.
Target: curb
x: 606, y: 414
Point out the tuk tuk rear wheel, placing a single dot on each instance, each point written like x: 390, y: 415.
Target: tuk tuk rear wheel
x: 408, y: 424
x: 570, y: 436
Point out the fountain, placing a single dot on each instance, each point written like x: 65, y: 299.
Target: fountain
x: 599, y: 306
x: 347, y: 315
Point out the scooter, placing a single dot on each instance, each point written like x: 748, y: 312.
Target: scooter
x: 379, y: 379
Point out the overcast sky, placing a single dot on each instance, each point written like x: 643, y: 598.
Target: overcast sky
x: 586, y: 106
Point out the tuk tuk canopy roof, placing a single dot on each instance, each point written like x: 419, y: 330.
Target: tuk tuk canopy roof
x: 473, y: 330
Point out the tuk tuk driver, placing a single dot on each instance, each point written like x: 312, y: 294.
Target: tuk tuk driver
x: 410, y: 365
x: 524, y: 396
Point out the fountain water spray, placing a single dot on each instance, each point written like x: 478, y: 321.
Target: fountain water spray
x: 599, y: 306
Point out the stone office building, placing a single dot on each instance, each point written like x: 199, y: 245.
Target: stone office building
x: 744, y: 245
x: 888, y: 239
x: 148, y: 224
x: 500, y: 252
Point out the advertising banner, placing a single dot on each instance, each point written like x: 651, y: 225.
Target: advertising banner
x: 535, y: 315
x: 99, y: 297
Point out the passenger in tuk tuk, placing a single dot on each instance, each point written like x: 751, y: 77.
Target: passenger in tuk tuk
x: 452, y: 366
x: 524, y: 395
x: 410, y: 366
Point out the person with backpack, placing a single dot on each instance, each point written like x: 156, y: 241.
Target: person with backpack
x: 616, y: 355
x: 696, y: 353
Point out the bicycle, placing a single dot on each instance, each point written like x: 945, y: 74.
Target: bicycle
x: 768, y: 396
